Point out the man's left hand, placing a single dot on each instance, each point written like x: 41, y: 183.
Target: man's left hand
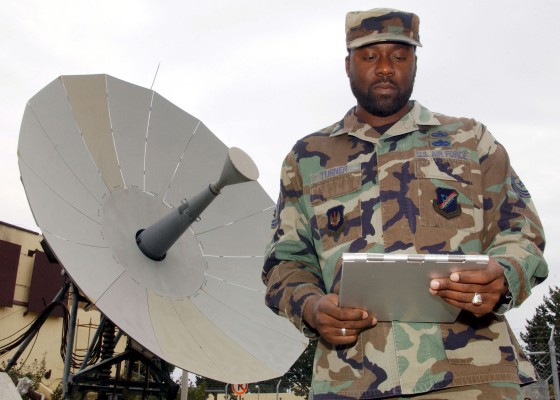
x: 460, y: 288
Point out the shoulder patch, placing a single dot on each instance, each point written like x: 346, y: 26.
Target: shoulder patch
x: 518, y: 187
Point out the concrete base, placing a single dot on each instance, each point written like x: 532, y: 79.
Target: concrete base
x: 536, y: 391
x: 8, y: 390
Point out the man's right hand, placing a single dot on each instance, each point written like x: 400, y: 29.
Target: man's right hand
x: 335, y: 324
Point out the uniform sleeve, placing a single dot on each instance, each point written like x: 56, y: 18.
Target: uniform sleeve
x: 514, y: 234
x: 291, y: 270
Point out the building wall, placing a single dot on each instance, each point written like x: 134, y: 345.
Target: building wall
x: 15, y: 319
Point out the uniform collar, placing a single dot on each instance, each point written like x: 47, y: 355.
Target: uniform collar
x: 417, y: 116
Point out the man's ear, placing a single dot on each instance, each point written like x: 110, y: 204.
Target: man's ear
x: 347, y: 65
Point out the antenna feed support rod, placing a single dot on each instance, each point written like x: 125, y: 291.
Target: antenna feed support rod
x: 157, y: 239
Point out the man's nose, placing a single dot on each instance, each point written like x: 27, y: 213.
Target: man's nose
x: 385, y: 66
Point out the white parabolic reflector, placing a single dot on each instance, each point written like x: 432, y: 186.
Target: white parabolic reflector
x: 101, y: 159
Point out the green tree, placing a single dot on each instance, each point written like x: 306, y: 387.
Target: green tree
x: 197, y: 392
x: 299, y: 375
x: 538, y: 329
x: 297, y: 379
x: 209, y: 386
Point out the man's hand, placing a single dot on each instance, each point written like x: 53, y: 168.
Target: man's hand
x: 460, y: 288
x: 335, y: 324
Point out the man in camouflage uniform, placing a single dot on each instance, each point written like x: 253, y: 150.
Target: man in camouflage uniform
x: 394, y: 177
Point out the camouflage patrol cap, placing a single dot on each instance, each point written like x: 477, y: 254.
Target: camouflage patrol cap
x: 381, y: 25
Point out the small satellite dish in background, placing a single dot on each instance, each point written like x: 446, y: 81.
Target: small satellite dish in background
x: 102, y: 160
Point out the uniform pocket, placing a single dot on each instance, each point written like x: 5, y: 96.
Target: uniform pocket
x: 338, y: 363
x: 478, y: 341
x: 337, y: 208
x: 445, y: 196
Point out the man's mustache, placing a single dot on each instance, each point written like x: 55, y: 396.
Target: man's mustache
x: 384, y: 81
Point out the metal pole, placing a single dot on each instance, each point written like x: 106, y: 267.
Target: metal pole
x: 93, y: 342
x: 553, y: 365
x: 185, y: 385
x: 278, y: 388
x: 70, y: 341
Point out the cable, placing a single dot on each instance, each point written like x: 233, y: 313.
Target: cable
x: 21, y: 329
x: 77, y: 359
x: 30, y: 351
x: 32, y: 328
x: 12, y: 313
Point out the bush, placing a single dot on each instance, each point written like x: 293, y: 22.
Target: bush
x: 34, y: 371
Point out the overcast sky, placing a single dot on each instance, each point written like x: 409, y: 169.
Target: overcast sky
x: 261, y: 74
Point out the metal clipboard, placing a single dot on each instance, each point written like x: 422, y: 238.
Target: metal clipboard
x: 395, y: 287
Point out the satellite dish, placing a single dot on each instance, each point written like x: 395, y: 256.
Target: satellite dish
x: 104, y: 163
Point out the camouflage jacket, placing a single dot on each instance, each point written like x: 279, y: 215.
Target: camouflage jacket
x: 348, y: 189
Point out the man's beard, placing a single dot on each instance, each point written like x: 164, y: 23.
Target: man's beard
x: 384, y: 105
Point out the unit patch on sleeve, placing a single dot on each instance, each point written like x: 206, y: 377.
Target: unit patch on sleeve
x: 335, y: 219
x: 446, y: 203
x: 518, y: 187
